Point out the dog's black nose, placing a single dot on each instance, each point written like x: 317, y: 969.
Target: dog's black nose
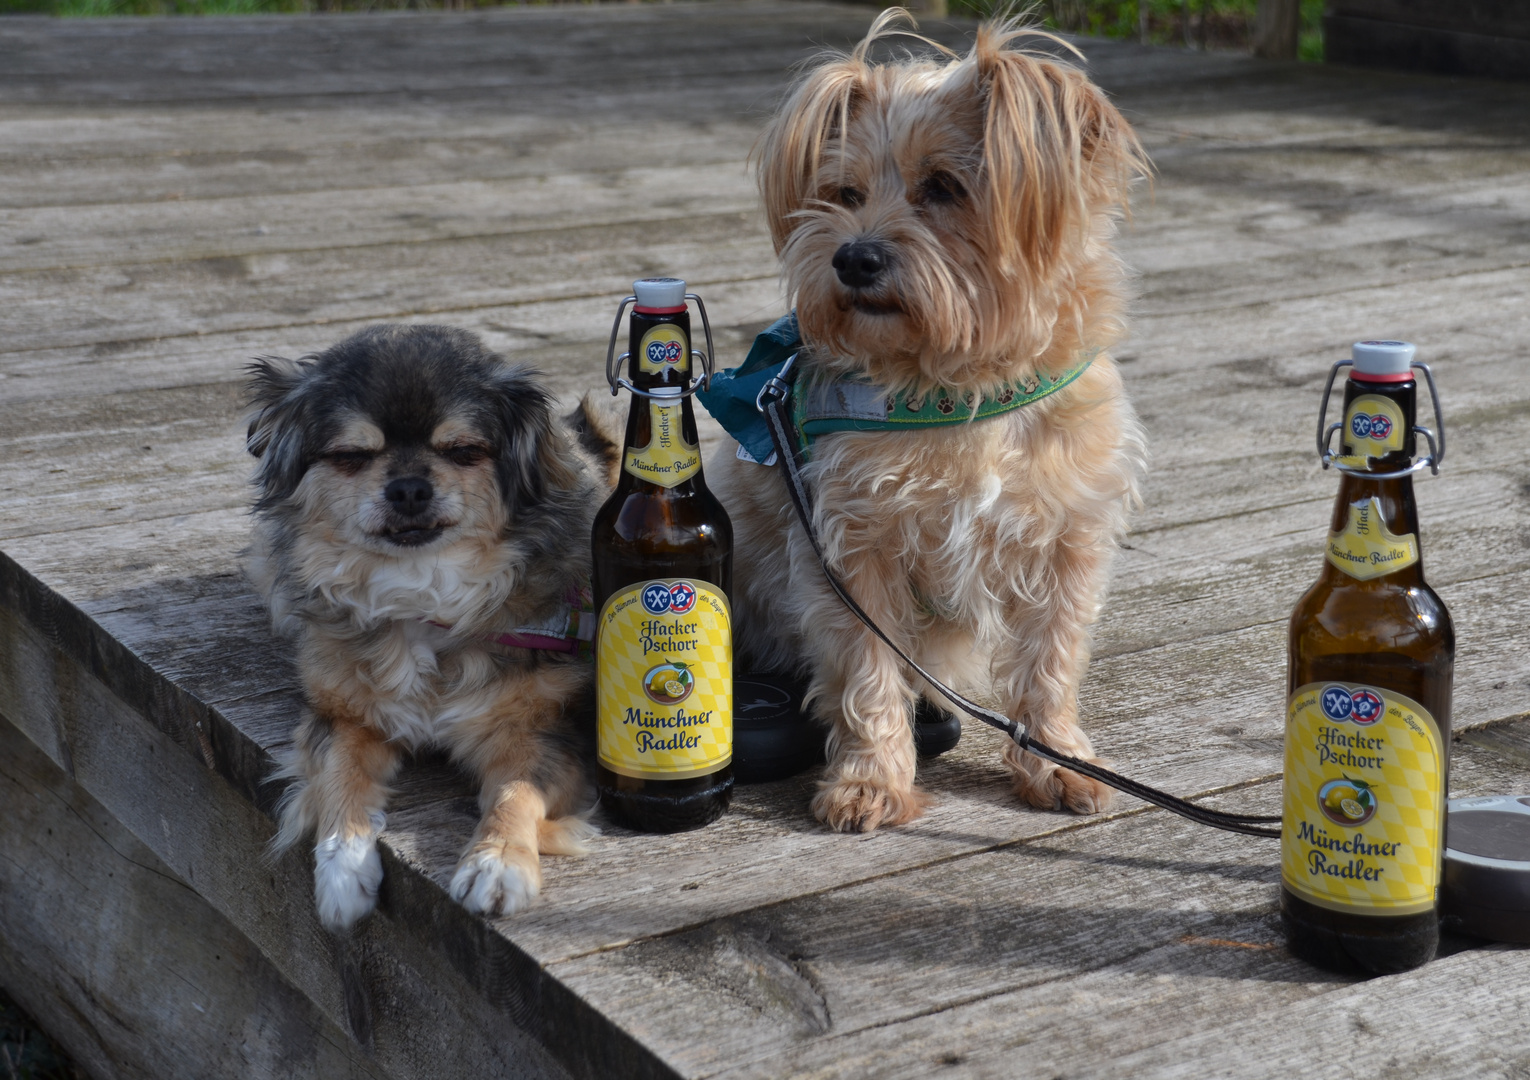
x: 409, y: 495
x: 860, y: 263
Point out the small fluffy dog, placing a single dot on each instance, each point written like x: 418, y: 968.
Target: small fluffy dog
x: 945, y: 222
x: 417, y: 499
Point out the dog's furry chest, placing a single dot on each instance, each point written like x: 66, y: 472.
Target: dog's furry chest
x: 965, y: 519
x: 412, y: 679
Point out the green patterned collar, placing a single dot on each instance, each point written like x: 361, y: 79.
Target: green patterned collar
x: 821, y: 407
x: 851, y: 404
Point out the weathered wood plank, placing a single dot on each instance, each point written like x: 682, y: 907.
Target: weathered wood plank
x: 426, y: 988
x: 146, y: 300
x: 1140, y: 912
x: 357, y: 219
x: 92, y: 922
x: 216, y: 153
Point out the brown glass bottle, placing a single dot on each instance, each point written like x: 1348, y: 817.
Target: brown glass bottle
x: 663, y: 558
x: 1370, y: 666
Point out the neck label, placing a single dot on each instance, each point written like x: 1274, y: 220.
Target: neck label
x: 1373, y: 427
x: 668, y: 459
x: 663, y: 349
x: 1365, y: 548
x: 1362, y: 823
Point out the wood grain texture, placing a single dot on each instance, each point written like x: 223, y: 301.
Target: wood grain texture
x: 85, y: 908
x: 177, y: 197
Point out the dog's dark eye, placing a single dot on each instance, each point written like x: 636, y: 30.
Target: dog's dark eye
x: 941, y: 187
x: 349, y: 462
x: 851, y: 197
x: 465, y: 455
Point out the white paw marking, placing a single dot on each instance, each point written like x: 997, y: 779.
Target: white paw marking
x: 346, y: 874
x: 489, y: 886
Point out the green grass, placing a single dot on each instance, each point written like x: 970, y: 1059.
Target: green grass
x: 1215, y: 24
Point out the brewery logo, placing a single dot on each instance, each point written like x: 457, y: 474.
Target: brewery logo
x: 1337, y: 704
x: 677, y: 599
x: 664, y: 352
x: 1365, y: 707
x: 1370, y: 427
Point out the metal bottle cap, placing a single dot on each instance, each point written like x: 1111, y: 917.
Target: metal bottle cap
x: 1385, y: 358
x: 1486, y: 886
x: 660, y: 292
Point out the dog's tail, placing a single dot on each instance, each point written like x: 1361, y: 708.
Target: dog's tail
x: 599, y: 423
x: 566, y: 835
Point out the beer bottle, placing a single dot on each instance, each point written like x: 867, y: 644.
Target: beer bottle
x: 663, y: 560
x: 1368, y: 713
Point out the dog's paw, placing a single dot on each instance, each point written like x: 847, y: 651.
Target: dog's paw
x: 859, y: 806
x: 1064, y: 789
x: 496, y: 881
x: 346, y: 874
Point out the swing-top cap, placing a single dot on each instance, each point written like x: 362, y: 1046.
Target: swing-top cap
x: 659, y: 293
x: 1384, y: 360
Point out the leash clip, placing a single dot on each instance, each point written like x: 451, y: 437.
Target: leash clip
x: 778, y: 387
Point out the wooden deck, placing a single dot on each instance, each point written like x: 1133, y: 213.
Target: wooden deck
x: 178, y: 196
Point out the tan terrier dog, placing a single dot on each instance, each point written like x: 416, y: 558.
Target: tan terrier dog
x: 944, y: 226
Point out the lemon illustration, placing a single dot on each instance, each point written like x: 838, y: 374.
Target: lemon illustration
x: 1347, y: 801
x: 669, y: 684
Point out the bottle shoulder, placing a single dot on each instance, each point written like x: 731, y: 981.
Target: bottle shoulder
x: 1340, y: 614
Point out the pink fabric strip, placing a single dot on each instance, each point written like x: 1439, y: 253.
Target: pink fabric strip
x: 535, y: 641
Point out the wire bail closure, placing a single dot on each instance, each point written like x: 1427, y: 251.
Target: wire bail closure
x: 614, y: 363
x: 1436, y: 448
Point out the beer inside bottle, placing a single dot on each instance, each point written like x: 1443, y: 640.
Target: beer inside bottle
x: 663, y: 559
x: 1368, y: 716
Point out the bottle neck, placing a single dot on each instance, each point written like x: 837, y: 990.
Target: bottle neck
x: 1377, y: 437
x: 659, y: 347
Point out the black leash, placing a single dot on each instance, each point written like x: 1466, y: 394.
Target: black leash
x: 772, y: 402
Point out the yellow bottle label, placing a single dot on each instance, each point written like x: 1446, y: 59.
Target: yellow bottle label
x: 1364, y: 811
x: 668, y: 459
x: 1365, y: 548
x: 664, y: 680
x: 664, y: 348
x: 1373, y: 427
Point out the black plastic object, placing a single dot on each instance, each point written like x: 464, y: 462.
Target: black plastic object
x: 1486, y: 886
x: 771, y: 738
x: 935, y: 730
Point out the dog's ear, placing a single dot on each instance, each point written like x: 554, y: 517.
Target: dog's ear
x: 277, y: 393
x: 791, y: 150
x: 1055, y: 150
x: 816, y: 111
x: 534, y: 456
